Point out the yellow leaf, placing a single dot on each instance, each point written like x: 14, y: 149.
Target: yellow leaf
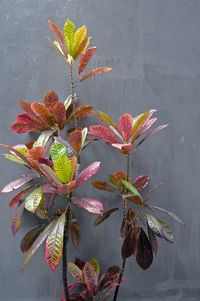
x: 78, y: 39
x: 69, y: 31
x: 138, y: 122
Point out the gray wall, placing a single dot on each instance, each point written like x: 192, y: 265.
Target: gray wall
x: 153, y: 47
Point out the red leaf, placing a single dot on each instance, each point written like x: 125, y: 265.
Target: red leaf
x: 102, y: 218
x: 85, y: 58
x: 152, y: 132
x: 76, y: 140
x: 50, y: 99
x: 110, y: 277
x: 34, y: 155
x: 30, y: 237
x: 126, y: 124
x: 88, y: 172
x: 43, y: 113
x: 16, y: 220
x: 26, y: 107
x: 129, y: 244
x: 60, y: 115
x: 59, y: 37
x: 21, y: 128
x: 76, y: 235
x: 91, y: 278
x: 102, y: 185
x: 103, y: 133
x: 80, y: 263
x: 92, y: 206
x: 81, y: 112
x: 18, y: 197
x: 95, y: 71
x: 141, y: 182
x: 66, y: 188
x: 123, y: 148
x: 18, y: 183
x: 144, y: 256
x: 31, y: 121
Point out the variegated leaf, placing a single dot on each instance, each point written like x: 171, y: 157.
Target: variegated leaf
x: 76, y: 235
x: 76, y: 140
x: 50, y: 174
x: 14, y: 159
x: 96, y: 265
x: 43, y: 138
x: 91, y: 278
x: 132, y: 189
x: 60, y: 115
x: 85, y: 58
x: 69, y: 31
x: 103, y: 133
x: 75, y: 271
x: 92, y: 206
x: 102, y: 185
x: 57, y: 150
x: 59, y: 37
x: 94, y: 72
x: 50, y: 100
x: 88, y: 172
x: 78, y: 38
x: 33, y: 199
x: 43, y: 113
x: 84, y: 44
x: 138, y: 122
x: 54, y: 243
x: 16, y: 220
x: 153, y: 240
x: 62, y: 167
x: 105, y: 215
x: 151, y: 133
x: 144, y: 256
x: 37, y: 243
x: 18, y: 183
x: 18, y: 197
x: 125, y: 123
x: 111, y: 276
x: 81, y: 112
x: 174, y: 216
x: 141, y: 182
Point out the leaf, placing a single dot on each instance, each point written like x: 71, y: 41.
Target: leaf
x: 88, y: 172
x: 68, y: 147
x: 18, y: 183
x: 152, y: 190
x: 84, y: 135
x: 96, y: 265
x: 80, y: 263
x: 154, y: 225
x: 92, y: 206
x: 76, y: 140
x: 18, y: 197
x: 133, y: 198
x: 85, y: 58
x: 34, y: 155
x: 105, y: 215
x: 32, y: 123
x: 69, y: 31
x: 37, y: 243
x: 50, y: 174
x: 33, y: 199
x: 62, y: 167
x: 125, y: 124
x: 138, y: 122
x: 144, y: 256
x: 129, y: 245
x: 123, y: 148
x: 73, y: 166
x: 26, y: 107
x: 141, y: 182
x: 57, y: 150
x: 78, y: 38
x: 30, y: 237
x: 54, y: 243
x: 43, y: 138
x: 68, y: 102
x: 84, y: 44
x: 75, y: 271
x: 123, y: 230
x: 14, y: 159
x: 76, y: 235
x: 50, y: 100
x: 111, y: 276
x: 81, y: 112
x: 102, y: 185
x: 151, y: 133
x: 153, y: 240
x: 94, y: 72
x: 21, y: 128
x: 105, y: 118
x: 16, y: 152
x: 59, y: 37
x: 60, y: 115
x: 132, y: 189
x: 16, y: 220
x: 167, y: 233
x: 103, y: 133
x: 91, y: 278
x: 43, y: 113
x: 174, y: 216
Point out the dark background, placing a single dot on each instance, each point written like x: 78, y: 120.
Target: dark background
x: 153, y: 47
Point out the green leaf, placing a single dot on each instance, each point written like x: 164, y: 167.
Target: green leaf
x: 78, y: 38
x: 62, y: 167
x: 33, y: 199
x: 57, y: 150
x: 14, y: 159
x: 69, y: 31
x: 96, y: 265
x: 43, y: 138
x: 37, y: 243
x: 132, y: 189
x: 22, y: 150
x: 106, y: 118
x: 155, y: 225
x: 54, y: 243
x: 68, y: 102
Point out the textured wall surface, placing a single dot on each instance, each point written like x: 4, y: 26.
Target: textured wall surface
x: 153, y: 47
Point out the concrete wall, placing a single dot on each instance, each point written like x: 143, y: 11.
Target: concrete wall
x: 153, y: 47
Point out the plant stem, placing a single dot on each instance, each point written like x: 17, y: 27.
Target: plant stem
x: 126, y: 226
x: 65, y: 239
x: 73, y: 99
